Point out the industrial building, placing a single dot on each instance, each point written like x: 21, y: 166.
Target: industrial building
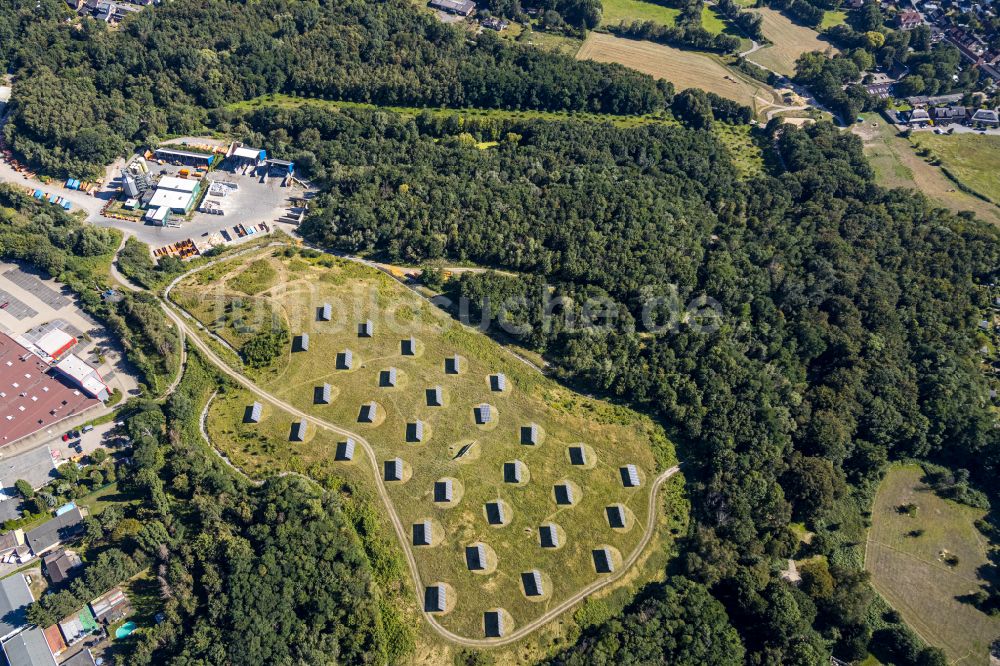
x: 54, y: 344
x: 186, y: 157
x: 460, y: 7
x: 32, y: 395
x: 85, y: 377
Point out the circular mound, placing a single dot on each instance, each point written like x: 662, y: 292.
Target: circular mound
x: 509, y: 476
x: 491, y: 558
x: 464, y: 451
x: 589, y: 455
x: 564, y: 499
x: 498, y: 513
x: 438, y: 498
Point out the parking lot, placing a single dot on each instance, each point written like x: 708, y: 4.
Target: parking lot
x: 36, y: 305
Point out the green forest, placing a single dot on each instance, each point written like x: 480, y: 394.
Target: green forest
x: 846, y: 335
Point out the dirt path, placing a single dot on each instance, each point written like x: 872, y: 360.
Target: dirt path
x: 178, y: 316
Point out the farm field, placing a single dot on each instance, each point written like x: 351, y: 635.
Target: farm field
x: 911, y: 573
x: 972, y: 158
x: 685, y: 69
x: 627, y: 11
x: 896, y: 164
x: 453, y: 446
x: 788, y: 42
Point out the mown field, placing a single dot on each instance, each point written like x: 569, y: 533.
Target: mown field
x: 616, y: 436
x: 974, y: 159
x: 685, y: 69
x: 896, y: 164
x: 907, y: 557
x: 627, y: 11
x: 788, y: 42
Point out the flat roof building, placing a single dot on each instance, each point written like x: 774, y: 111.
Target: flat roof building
x: 31, y: 397
x: 394, y: 469
x: 345, y: 450
x: 460, y: 7
x: 55, y: 343
x: 178, y: 184
x: 87, y: 378
x: 184, y: 156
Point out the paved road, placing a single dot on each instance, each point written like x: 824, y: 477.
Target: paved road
x: 179, y: 317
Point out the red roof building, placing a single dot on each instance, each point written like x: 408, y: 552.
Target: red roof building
x: 31, y: 399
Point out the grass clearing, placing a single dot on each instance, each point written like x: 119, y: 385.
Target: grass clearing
x: 973, y: 159
x: 685, y: 69
x: 712, y: 21
x: 788, y: 42
x: 627, y: 11
x: 896, y: 164
x: 618, y: 436
x: 833, y: 18
x: 746, y: 153
x: 551, y: 41
x: 912, y: 572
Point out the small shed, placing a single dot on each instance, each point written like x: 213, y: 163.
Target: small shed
x: 443, y: 491
x: 529, y: 434
x: 564, y: 494
x: 345, y: 360
x: 498, y: 382
x: 435, y: 599
x: 616, y: 516
x: 409, y: 346
x: 415, y: 431
x: 577, y: 455
x: 325, y: 312
x: 435, y: 397
x: 603, y: 561
x: 453, y: 365
x: 548, y: 535
x: 495, y: 514
x: 493, y: 624
x: 630, y: 476
x: 369, y: 412
x: 366, y: 329
x: 322, y: 394
x: 483, y: 414
x: 345, y: 450
x: 387, y: 378
x: 394, y: 469
x: 298, y: 433
x: 475, y: 557
x: 302, y: 343
x: 422, y: 533
x: 513, y: 471
x: 532, y: 582
x: 254, y: 412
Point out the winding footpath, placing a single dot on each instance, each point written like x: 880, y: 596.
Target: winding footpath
x: 180, y: 317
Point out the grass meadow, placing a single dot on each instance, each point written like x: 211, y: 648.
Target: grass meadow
x: 912, y: 572
x: 616, y: 435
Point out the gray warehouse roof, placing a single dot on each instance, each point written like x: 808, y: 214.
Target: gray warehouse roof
x: 28, y: 648
x: 14, y: 599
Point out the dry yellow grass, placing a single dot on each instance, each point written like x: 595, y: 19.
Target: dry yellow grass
x: 685, y: 69
x: 788, y: 42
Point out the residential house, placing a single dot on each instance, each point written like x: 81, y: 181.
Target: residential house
x: 60, y: 564
x: 28, y: 648
x: 53, y: 532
